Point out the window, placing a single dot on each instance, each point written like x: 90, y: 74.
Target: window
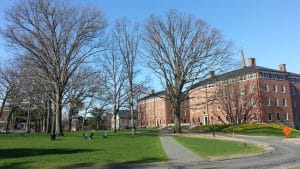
x: 244, y: 117
x: 253, y: 102
x: 266, y: 88
x: 226, y: 106
x: 227, y: 117
x: 294, y: 103
x: 210, y: 107
x: 254, y: 116
x: 244, y: 104
x: 269, y: 116
x: 198, y: 119
x: 218, y: 107
x: 269, y: 102
x: 283, y: 88
x: 292, y: 90
x: 243, y: 90
x: 193, y: 119
x: 252, y: 88
x: 284, y: 102
x: 219, y: 118
x: 286, y: 116
x: 274, y: 88
x: 276, y: 102
x: 277, y: 116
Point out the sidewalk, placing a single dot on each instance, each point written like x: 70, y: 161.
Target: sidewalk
x: 177, y: 154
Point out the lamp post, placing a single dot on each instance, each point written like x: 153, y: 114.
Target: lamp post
x: 213, y: 127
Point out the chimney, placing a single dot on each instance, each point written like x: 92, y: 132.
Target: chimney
x: 282, y: 67
x: 211, y: 74
x: 251, y: 62
x: 152, y: 91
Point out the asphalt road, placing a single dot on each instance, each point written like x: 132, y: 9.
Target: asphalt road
x: 284, y: 155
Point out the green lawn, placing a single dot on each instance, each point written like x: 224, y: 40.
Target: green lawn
x: 250, y: 129
x: 208, y: 148
x: 72, y: 150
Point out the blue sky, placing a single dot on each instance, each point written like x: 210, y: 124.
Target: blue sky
x: 268, y: 30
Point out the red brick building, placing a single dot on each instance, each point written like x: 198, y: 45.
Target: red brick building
x: 251, y: 94
x: 3, y: 119
x: 156, y: 111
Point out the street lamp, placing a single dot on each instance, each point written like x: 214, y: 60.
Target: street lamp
x: 212, y: 122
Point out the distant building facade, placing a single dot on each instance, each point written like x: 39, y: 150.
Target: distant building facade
x: 156, y: 111
x: 3, y: 119
x: 123, y: 120
x: 251, y: 94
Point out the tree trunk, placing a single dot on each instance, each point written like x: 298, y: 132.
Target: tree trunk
x: 132, y: 114
x: 176, y: 109
x: 58, y: 109
x: 115, y: 122
x: 9, y: 119
x: 97, y: 125
x: 28, y: 119
x: 3, y: 104
x: 49, y: 118
x: 70, y: 123
x: 53, y: 124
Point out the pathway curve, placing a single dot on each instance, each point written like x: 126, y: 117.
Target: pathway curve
x: 285, y: 155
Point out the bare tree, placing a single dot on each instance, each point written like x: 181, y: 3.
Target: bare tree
x: 113, y: 70
x: 182, y: 50
x: 127, y: 37
x: 238, y: 100
x: 57, y: 38
x: 82, y: 85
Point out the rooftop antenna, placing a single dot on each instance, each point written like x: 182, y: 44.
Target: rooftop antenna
x: 243, y: 64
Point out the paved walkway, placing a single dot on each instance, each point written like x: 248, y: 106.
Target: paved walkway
x: 176, y: 153
x: 285, y: 155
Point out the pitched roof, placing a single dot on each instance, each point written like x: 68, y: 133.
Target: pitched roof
x: 153, y: 95
x: 242, y: 71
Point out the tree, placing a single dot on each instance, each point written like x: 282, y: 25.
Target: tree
x: 113, y: 70
x: 82, y: 85
x: 127, y: 37
x: 99, y: 116
x: 57, y: 39
x: 181, y: 50
x: 238, y: 100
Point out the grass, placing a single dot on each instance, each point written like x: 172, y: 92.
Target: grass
x: 209, y: 148
x: 251, y: 129
x: 72, y: 150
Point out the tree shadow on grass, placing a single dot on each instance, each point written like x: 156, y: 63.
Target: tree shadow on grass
x: 141, y: 163
x: 16, y: 165
x: 26, y: 152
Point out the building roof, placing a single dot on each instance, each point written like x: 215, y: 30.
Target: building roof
x: 242, y: 71
x: 153, y: 95
x: 126, y: 113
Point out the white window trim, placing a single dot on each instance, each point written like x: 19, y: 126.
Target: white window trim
x: 283, y: 89
x: 267, y: 87
x: 269, y: 116
x: 277, y: 116
x: 275, y: 89
x: 285, y: 103
x: 269, y: 102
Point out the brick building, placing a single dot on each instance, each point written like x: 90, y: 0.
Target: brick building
x: 3, y: 119
x: 155, y: 110
x: 251, y: 94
